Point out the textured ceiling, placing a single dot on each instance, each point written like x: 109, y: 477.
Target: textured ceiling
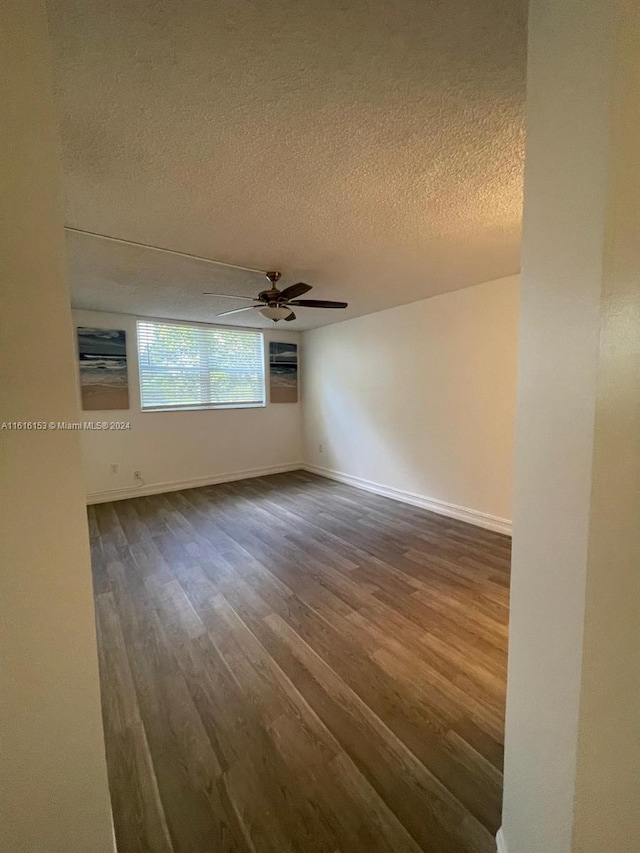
x: 371, y: 148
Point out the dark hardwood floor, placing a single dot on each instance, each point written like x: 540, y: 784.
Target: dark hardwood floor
x: 290, y: 665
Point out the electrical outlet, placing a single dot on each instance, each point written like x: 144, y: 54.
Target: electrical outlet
x: 137, y: 475
x: 114, y: 468
x: 321, y: 448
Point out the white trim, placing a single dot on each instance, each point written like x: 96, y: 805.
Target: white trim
x: 461, y: 513
x: 204, y: 408
x: 178, y: 485
x: 501, y: 843
x: 113, y: 833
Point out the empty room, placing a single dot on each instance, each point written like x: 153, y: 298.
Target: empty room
x: 320, y: 420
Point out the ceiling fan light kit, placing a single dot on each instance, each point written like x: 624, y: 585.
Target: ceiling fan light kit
x: 276, y: 312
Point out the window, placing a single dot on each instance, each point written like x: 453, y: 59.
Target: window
x: 189, y: 366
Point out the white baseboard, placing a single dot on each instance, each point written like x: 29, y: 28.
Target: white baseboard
x: 178, y: 485
x: 500, y: 842
x: 461, y: 513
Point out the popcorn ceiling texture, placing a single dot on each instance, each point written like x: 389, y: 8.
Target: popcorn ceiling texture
x: 372, y: 148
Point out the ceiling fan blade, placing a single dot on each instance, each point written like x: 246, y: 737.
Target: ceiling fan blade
x: 318, y: 303
x: 294, y: 290
x: 229, y: 296
x: 238, y: 310
x: 291, y: 317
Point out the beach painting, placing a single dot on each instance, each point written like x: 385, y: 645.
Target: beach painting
x: 283, y: 372
x: 102, y: 354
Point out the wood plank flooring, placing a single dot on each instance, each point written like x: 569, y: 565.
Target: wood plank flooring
x: 290, y: 665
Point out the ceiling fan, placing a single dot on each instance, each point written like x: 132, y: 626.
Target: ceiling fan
x: 276, y: 304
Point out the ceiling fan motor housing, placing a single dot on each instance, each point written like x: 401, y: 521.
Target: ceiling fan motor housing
x: 271, y: 296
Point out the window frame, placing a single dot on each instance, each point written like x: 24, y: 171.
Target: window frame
x: 201, y: 407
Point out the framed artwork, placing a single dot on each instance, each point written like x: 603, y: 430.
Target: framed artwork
x: 283, y: 372
x: 104, y: 382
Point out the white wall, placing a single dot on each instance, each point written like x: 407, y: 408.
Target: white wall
x: 54, y: 785
x: 177, y: 449
x: 572, y: 757
x: 420, y: 399
x: 608, y: 766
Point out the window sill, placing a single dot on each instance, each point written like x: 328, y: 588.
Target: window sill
x: 203, y: 408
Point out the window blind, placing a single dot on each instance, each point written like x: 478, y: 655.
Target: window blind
x: 184, y: 365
